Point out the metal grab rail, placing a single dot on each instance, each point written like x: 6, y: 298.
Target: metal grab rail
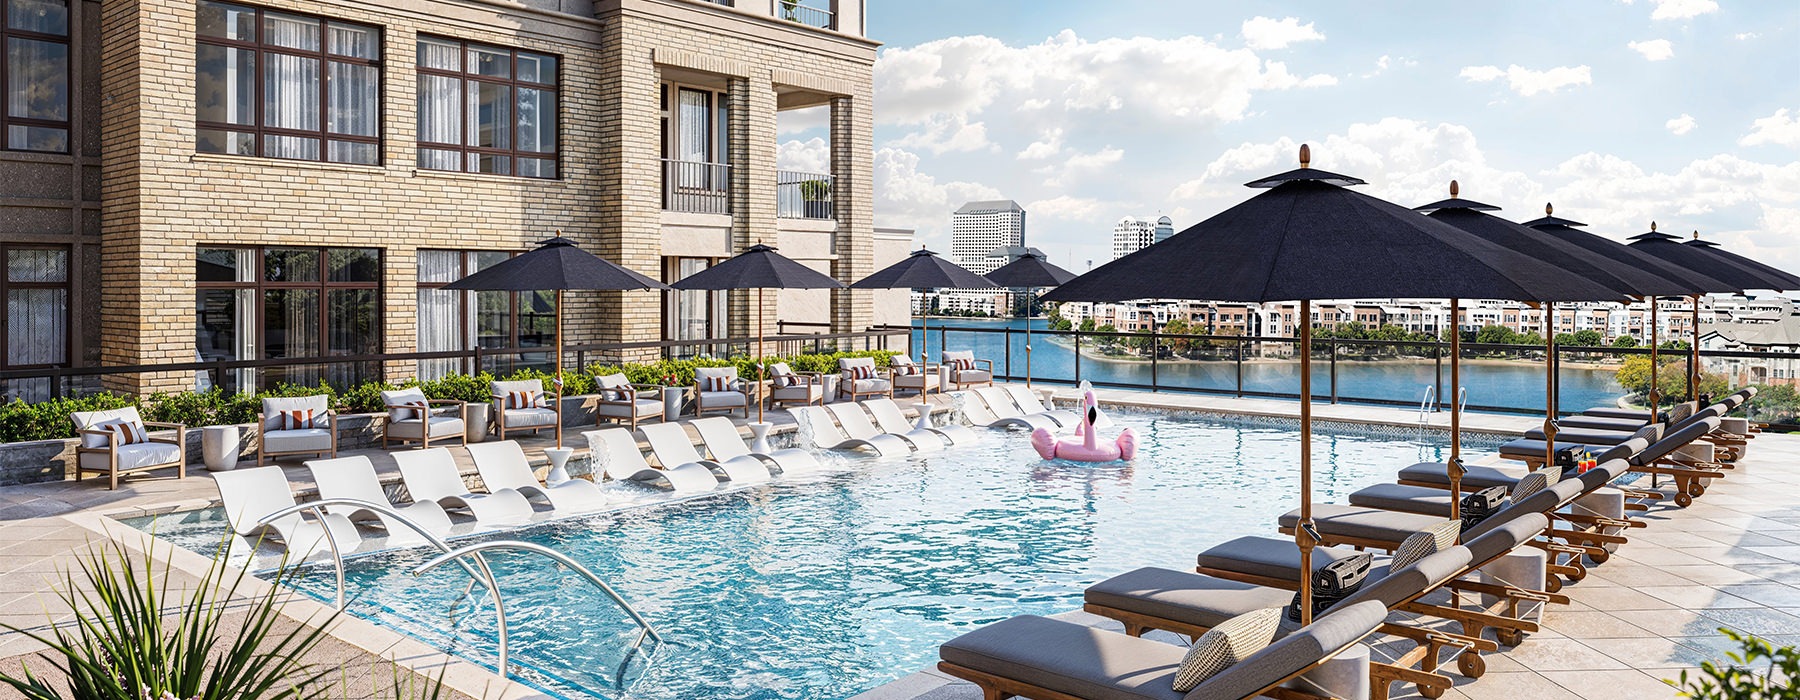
x: 387, y: 509
x: 1427, y: 404
x: 560, y: 558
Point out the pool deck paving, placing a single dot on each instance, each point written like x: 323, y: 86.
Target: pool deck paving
x: 1651, y: 611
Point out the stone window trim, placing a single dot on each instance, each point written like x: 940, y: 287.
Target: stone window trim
x: 7, y: 122
x: 325, y: 56
x: 513, y: 83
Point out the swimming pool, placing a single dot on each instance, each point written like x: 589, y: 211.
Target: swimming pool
x: 827, y: 586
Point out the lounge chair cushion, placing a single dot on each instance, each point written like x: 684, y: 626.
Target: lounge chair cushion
x: 1532, y: 483
x: 1636, y: 414
x: 1227, y: 644
x: 868, y: 386
x: 1406, y: 499
x: 1505, y: 538
x: 719, y: 399
x: 1425, y: 543
x: 530, y: 417
x: 1601, y: 423
x: 971, y: 376
x: 643, y: 408
x: 1192, y: 598
x: 1528, y: 447
x: 1269, y: 557
x: 1325, y: 637
x: 272, y: 409
x: 414, y: 429
x: 1069, y: 658
x: 85, y: 420
x: 308, y: 440
x: 1364, y: 523
x: 1476, y: 477
x: 799, y: 392
x: 135, y: 456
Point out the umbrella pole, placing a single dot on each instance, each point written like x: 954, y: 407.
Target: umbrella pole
x: 760, y: 372
x: 1694, y: 355
x: 1304, y: 533
x: 1454, y: 465
x: 559, y: 373
x: 1549, y: 386
x: 1030, y: 296
x: 1655, y: 399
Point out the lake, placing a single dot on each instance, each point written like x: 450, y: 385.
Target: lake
x: 1490, y: 383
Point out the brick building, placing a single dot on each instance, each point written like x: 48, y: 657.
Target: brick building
x: 187, y: 180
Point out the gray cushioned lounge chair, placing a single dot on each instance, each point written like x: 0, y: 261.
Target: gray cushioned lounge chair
x: 1043, y: 658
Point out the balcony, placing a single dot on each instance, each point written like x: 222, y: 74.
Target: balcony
x: 807, y: 12
x: 804, y: 196
x: 696, y: 187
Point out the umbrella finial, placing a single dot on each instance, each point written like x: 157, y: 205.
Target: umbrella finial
x: 1653, y: 227
x: 1305, y: 156
x: 1455, y: 189
x: 1696, y: 234
x: 1548, y: 210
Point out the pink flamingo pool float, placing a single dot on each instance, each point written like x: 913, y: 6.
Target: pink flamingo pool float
x: 1085, y: 445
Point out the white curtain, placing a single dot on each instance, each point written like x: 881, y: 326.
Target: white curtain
x: 37, y: 328
x: 694, y: 121
x: 290, y: 86
x: 440, y: 119
x: 440, y: 312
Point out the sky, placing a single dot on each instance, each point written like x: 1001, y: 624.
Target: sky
x: 1619, y: 112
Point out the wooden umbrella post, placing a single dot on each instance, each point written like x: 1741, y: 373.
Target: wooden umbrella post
x: 1655, y: 398
x: 1305, y: 534
x: 1549, y: 386
x: 761, y: 371
x: 1030, y: 296
x: 1453, y: 466
x: 559, y: 369
x: 1694, y: 355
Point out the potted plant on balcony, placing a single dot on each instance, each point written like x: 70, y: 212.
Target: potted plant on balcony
x: 790, y: 11
x: 816, y: 194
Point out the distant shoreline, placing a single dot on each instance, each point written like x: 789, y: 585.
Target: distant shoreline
x: 1090, y: 354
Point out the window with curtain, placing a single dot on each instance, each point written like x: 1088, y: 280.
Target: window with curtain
x: 484, y: 109
x: 279, y: 303
x: 34, y: 76
x: 456, y: 320
x: 36, y: 287
x: 285, y: 85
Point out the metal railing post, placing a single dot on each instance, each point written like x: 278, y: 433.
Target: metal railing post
x: 1240, y: 368
x: 1155, y: 355
x: 1077, y: 355
x: 1334, y: 383
x: 1006, y: 334
x: 1437, y: 355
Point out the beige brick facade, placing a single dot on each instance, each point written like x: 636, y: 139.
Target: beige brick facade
x: 161, y: 200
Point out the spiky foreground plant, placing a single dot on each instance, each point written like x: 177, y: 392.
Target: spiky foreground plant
x: 1737, y: 680
x: 137, y: 638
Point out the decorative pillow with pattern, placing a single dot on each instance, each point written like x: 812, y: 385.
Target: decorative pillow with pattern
x: 903, y: 367
x: 299, y: 419
x: 410, y: 410
x: 615, y: 394
x: 715, y: 383
x: 529, y: 398
x: 963, y: 364
x: 1230, y: 642
x: 123, y: 432
x: 1425, y: 543
x: 780, y: 377
x: 1532, y: 483
x: 862, y: 372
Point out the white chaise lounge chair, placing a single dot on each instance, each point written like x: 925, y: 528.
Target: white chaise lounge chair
x: 673, y: 449
x: 724, y: 443
x: 354, y: 478
x: 251, y: 494
x: 891, y: 419
x: 502, y: 465
x: 1006, y: 414
x: 826, y: 435
x: 1029, y: 403
x: 856, y: 424
x: 617, y: 449
x: 432, y: 475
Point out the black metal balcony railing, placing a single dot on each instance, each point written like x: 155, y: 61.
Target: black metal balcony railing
x: 799, y: 11
x: 696, y: 188
x: 804, y: 195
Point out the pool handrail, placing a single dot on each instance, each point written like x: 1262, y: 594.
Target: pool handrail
x: 560, y: 558
x: 486, y: 577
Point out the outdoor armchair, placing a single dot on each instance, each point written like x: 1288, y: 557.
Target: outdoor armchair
x: 911, y: 376
x: 413, y: 418
x: 524, y: 405
x: 966, y: 371
x: 297, y: 425
x: 623, y: 402
x: 118, y: 441
x: 787, y: 386
x: 720, y: 389
x: 859, y: 377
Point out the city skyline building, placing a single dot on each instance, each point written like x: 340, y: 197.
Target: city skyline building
x: 979, y: 230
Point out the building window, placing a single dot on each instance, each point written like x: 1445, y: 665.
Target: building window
x: 285, y: 85
x: 696, y: 132
x: 36, y: 287
x: 281, y: 303
x: 35, y: 76
x: 691, y: 314
x: 453, y: 320
x: 486, y: 110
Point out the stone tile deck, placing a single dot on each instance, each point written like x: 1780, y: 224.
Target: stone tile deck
x: 1732, y: 559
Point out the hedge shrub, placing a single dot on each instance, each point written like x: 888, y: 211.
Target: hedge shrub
x: 49, y: 420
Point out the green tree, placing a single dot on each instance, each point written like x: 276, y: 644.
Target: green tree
x: 1674, y: 345
x: 1625, y: 341
x: 1496, y: 335
x: 1087, y: 325
x: 1060, y: 324
x: 1178, y: 326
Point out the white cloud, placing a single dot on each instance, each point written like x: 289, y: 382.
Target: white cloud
x: 1049, y: 145
x: 1745, y: 36
x: 1262, y: 33
x: 1385, y: 62
x: 1779, y: 129
x: 796, y: 121
x: 1682, y: 9
x: 1653, y: 49
x: 1681, y: 125
x: 1079, y: 166
x: 810, y: 156
x: 908, y: 198
x: 1528, y: 82
x: 949, y: 133
x: 1067, y: 208
x: 1188, y: 80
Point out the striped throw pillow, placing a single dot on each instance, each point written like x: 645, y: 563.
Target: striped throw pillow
x: 1425, y: 543
x: 1230, y: 642
x: 301, y: 419
x: 410, y: 410
x: 862, y: 372
x: 781, y: 377
x: 124, y: 432
x: 529, y: 398
x: 963, y: 364
x: 715, y: 383
x: 1530, y: 484
x: 905, y: 369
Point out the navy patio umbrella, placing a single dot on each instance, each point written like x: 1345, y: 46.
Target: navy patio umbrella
x: 556, y: 265
x: 1030, y: 271
x: 759, y: 267
x: 923, y: 270
x: 1310, y: 237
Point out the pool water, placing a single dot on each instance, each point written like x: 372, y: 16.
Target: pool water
x: 827, y: 586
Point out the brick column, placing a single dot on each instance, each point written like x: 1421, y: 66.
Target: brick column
x: 629, y: 230
x: 753, y: 211
x: 852, y: 167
